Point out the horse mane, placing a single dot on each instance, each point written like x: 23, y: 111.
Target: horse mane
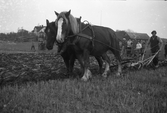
x: 74, y: 24
x: 71, y: 20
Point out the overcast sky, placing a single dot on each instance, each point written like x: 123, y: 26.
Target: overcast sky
x: 138, y: 15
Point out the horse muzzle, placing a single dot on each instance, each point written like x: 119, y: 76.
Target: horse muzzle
x: 60, y: 39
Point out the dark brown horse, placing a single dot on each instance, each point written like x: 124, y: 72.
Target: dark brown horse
x: 95, y: 41
x: 68, y: 53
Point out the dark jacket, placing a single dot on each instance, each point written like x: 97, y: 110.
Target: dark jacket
x: 166, y: 48
x: 154, y: 43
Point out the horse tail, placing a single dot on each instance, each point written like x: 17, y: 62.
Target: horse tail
x: 115, y: 45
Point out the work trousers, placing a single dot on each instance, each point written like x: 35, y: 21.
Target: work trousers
x: 155, y: 60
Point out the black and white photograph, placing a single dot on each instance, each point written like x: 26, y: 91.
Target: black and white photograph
x: 83, y: 56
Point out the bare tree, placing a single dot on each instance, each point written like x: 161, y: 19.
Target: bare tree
x: 130, y: 30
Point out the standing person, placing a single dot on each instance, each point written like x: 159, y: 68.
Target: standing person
x: 123, y: 50
x: 143, y: 47
x: 155, y: 44
x: 33, y: 47
x: 138, y: 48
x: 129, y: 47
x: 165, y: 48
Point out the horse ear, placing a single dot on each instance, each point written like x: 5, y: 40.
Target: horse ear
x: 80, y: 18
x: 47, y: 21
x: 68, y: 13
x: 56, y: 13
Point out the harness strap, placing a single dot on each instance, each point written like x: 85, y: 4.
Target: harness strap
x: 92, y: 34
x: 80, y: 34
x: 84, y: 35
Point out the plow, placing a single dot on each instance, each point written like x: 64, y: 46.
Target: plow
x: 143, y: 62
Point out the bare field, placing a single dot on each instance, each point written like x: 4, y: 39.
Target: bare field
x: 36, y: 83
x: 11, y: 47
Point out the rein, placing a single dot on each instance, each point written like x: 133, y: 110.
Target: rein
x: 99, y: 42
x: 78, y: 34
x: 151, y: 48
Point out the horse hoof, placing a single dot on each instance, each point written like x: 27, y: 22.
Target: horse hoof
x: 84, y: 78
x: 104, y: 75
x: 118, y: 74
x: 89, y: 74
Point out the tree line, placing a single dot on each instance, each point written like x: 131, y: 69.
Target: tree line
x: 20, y: 36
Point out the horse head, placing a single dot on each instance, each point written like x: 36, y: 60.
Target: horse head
x: 51, y: 32
x: 67, y: 25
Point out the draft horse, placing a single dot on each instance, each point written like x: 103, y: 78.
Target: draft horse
x: 103, y: 39
x: 68, y: 54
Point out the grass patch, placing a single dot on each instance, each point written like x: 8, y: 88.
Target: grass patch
x: 11, y: 47
x: 142, y: 91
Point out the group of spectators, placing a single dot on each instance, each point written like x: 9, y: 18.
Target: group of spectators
x: 130, y: 48
x: 137, y: 49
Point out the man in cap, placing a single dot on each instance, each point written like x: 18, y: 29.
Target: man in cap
x: 129, y: 48
x: 155, y: 44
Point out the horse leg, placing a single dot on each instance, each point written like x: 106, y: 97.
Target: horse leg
x: 80, y: 60
x: 87, y: 72
x: 118, y: 57
x: 100, y: 62
x: 71, y: 63
x: 66, y: 61
x: 107, y: 65
x: 119, y: 68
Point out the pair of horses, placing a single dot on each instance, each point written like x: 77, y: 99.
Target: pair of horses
x: 83, y: 40
x: 64, y: 49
